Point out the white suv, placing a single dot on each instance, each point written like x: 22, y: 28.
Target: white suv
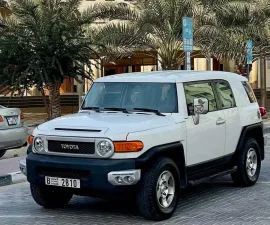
x: 149, y: 135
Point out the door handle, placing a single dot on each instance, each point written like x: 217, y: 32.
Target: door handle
x: 220, y: 121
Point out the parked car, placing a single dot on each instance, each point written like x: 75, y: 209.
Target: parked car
x: 149, y: 135
x: 13, y: 133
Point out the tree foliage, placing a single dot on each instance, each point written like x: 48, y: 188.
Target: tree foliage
x: 221, y: 28
x: 43, y: 42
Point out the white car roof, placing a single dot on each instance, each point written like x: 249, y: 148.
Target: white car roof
x: 171, y: 76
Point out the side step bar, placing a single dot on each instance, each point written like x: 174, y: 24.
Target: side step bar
x: 223, y: 173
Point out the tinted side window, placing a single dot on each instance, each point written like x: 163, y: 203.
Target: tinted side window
x: 225, y: 94
x: 199, y: 90
x: 249, y: 91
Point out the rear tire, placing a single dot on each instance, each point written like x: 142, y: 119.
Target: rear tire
x: 2, y: 153
x: 248, y: 165
x: 50, y: 197
x: 159, y: 190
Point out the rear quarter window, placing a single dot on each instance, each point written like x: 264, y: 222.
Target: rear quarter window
x: 249, y: 91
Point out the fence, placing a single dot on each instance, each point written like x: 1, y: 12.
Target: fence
x: 68, y: 103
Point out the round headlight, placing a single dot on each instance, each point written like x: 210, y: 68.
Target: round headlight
x: 39, y: 144
x: 104, y: 148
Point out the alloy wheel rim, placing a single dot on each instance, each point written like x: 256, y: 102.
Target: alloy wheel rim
x: 251, y: 163
x: 165, y: 189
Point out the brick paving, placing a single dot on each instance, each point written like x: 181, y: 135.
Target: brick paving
x: 218, y: 202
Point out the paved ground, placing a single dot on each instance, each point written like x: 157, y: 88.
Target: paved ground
x: 219, y: 202
x: 10, y: 161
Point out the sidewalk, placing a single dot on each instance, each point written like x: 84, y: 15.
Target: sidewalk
x: 34, y: 119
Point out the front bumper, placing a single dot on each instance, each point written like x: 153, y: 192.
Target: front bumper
x: 13, y: 138
x: 101, y: 175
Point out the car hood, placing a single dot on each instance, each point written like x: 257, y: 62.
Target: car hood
x: 98, y: 124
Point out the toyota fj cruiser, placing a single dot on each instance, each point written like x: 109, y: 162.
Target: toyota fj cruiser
x: 149, y: 135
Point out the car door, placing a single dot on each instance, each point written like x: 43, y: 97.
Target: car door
x: 206, y: 140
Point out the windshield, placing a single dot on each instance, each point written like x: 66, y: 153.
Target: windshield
x: 157, y: 96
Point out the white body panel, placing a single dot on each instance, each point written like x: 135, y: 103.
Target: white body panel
x: 159, y: 136
x: 205, y: 144
x: 109, y: 123
x: 233, y: 129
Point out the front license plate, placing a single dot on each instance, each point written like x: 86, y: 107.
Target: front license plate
x: 12, y: 120
x: 62, y: 182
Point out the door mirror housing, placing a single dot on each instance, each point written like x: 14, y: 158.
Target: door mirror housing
x: 201, y: 106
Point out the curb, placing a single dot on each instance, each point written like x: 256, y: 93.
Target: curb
x: 12, y: 178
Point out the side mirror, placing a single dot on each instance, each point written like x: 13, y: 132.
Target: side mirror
x: 201, y: 106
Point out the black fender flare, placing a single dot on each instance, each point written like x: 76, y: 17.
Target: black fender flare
x: 246, y: 131
x: 174, y: 151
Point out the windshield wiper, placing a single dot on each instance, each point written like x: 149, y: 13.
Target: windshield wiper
x: 117, y: 109
x: 149, y: 110
x: 97, y: 109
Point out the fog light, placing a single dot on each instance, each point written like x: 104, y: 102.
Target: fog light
x: 119, y: 180
x: 125, y: 177
x: 129, y: 179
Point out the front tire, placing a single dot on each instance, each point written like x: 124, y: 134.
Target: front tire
x: 159, y: 190
x: 248, y: 165
x: 50, y: 197
x: 2, y: 153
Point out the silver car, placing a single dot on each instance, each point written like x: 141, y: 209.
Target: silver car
x: 13, y: 133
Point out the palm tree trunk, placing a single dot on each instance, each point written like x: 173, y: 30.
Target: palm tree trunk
x: 173, y: 66
x: 45, y: 103
x: 54, y: 97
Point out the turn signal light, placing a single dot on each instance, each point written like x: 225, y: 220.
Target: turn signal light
x: 128, y: 146
x: 30, y: 139
x: 22, y: 116
x: 1, y: 119
x: 262, y: 111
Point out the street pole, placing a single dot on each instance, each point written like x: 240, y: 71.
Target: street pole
x: 249, y: 47
x: 188, y: 64
x: 187, y: 31
x: 263, y: 82
x: 248, y: 72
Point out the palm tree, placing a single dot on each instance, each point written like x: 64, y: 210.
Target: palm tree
x: 232, y: 23
x: 4, y: 10
x: 153, y: 26
x: 45, y: 41
x: 221, y: 28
